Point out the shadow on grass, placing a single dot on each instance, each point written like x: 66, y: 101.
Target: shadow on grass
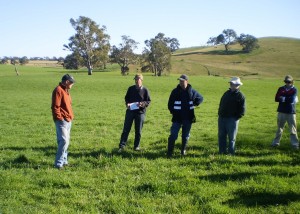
x: 46, y: 149
x: 240, y: 176
x: 263, y: 199
x: 228, y: 177
x: 23, y: 159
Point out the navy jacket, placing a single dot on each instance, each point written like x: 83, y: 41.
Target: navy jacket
x: 182, y: 107
x: 287, y: 99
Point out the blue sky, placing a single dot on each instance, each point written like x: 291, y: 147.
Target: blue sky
x: 41, y: 28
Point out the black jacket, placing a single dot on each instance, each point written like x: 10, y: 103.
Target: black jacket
x: 232, y: 104
x: 138, y: 95
x: 174, y: 104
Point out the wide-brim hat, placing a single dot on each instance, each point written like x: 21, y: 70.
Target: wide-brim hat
x: 236, y: 81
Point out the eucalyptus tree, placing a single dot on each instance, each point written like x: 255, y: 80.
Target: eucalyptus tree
x: 71, y: 61
x: 24, y: 60
x: 227, y: 37
x: 14, y: 61
x: 248, y: 42
x: 124, y: 54
x: 157, y: 54
x: 90, y: 43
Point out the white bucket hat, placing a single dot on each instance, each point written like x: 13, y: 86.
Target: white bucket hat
x: 236, y: 81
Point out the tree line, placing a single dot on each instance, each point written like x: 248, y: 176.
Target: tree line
x: 90, y: 48
x: 24, y: 60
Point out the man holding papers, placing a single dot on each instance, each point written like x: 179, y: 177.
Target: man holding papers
x: 137, y: 99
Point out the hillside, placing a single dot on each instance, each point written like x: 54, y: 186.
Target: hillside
x: 276, y: 57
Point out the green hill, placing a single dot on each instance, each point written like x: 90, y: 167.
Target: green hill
x: 276, y: 57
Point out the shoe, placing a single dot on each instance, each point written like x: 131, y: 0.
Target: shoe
x: 59, y: 167
x: 137, y: 148
x: 183, y: 153
x: 121, y: 149
x: 274, y: 145
x: 169, y: 155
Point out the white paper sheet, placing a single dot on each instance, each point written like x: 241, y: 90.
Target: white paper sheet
x: 134, y: 106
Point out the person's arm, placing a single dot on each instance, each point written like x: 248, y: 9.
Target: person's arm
x: 280, y: 97
x: 242, y: 106
x: 171, y: 102
x: 56, y: 103
x: 147, y: 100
x: 292, y: 97
x: 127, y: 98
x: 197, y: 98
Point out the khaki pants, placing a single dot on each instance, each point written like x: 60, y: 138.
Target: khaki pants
x: 290, y: 119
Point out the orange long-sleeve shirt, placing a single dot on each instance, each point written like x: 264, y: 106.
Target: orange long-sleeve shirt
x: 62, y: 104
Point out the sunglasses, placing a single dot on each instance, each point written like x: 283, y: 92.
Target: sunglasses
x: 288, y: 82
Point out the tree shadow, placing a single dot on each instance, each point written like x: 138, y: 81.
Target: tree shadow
x: 241, y: 176
x: 23, y: 160
x: 228, y: 177
x: 263, y: 199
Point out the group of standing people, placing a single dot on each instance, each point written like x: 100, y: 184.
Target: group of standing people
x: 182, y: 102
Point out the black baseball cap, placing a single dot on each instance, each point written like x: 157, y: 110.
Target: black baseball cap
x: 68, y: 77
x: 183, y: 77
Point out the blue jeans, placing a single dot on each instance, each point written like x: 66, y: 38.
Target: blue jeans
x: 138, y: 125
x: 63, y: 130
x: 186, y: 126
x: 227, y: 127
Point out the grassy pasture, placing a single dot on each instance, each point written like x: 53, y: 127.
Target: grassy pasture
x: 257, y: 180
x: 276, y: 56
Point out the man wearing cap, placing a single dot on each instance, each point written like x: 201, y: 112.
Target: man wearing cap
x: 62, y: 115
x: 231, y: 109
x: 181, y: 104
x: 287, y: 98
x: 137, y: 99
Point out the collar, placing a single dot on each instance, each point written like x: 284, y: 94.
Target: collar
x: 236, y: 91
x: 63, y: 87
x: 288, y: 88
x: 139, y: 87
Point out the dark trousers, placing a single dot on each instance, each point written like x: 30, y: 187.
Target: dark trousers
x: 138, y: 119
x: 186, y: 126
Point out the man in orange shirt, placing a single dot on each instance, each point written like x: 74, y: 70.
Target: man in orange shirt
x: 62, y: 115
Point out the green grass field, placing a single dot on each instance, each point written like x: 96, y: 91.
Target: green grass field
x: 258, y: 179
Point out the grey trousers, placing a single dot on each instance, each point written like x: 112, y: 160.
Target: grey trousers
x: 290, y: 119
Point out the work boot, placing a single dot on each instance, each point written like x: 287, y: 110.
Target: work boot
x: 171, y: 144
x: 183, y: 147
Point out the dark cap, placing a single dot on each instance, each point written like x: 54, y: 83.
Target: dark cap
x: 183, y: 77
x: 68, y: 77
